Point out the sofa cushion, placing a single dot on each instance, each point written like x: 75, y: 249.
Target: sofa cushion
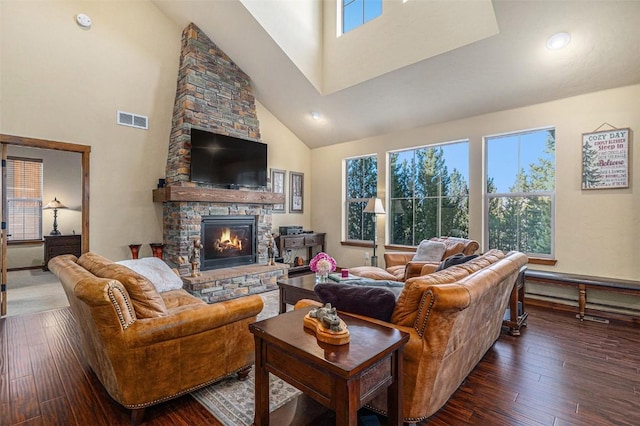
x: 156, y: 271
x: 374, y: 302
x: 430, y: 251
x: 456, y: 259
x: 146, y: 300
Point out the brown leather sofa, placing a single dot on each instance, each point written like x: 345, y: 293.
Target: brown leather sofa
x: 453, y: 317
x: 147, y: 347
x: 400, y: 265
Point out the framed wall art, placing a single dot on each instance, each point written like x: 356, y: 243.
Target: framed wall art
x: 278, y: 179
x: 605, y: 159
x: 296, y: 192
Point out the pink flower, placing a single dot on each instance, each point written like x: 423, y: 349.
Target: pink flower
x: 322, y: 263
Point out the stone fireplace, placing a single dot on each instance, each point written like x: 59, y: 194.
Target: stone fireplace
x: 213, y: 94
x: 227, y: 241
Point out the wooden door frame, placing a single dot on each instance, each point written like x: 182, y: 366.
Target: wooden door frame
x: 85, y: 150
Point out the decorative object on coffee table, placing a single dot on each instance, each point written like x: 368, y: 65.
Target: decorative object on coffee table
x: 325, y: 323
x: 54, y: 205
x: 374, y: 206
x: 322, y: 264
x: 135, y: 250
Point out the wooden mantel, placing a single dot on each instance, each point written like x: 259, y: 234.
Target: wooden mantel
x: 212, y: 195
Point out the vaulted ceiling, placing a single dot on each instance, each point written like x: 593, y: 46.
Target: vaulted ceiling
x: 422, y: 62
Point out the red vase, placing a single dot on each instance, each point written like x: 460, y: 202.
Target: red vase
x: 135, y: 249
x: 156, y: 249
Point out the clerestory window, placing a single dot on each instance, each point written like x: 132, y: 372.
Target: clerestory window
x: 357, y: 12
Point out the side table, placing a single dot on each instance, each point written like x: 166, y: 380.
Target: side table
x: 293, y: 289
x: 55, y: 245
x: 516, y: 315
x: 340, y: 377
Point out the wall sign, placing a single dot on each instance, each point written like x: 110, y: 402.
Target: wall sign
x: 605, y: 159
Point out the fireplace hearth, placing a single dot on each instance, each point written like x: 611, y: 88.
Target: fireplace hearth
x: 228, y: 241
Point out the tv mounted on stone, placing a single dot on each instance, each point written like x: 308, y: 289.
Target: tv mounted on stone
x: 227, y: 161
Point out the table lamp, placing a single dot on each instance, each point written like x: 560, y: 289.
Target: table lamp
x: 55, y: 205
x: 374, y: 206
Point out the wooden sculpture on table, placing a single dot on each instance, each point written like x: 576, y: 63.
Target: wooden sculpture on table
x: 327, y: 325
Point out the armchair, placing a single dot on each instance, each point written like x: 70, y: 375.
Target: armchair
x: 146, y: 346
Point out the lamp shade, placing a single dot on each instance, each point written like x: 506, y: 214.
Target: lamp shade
x: 54, y: 204
x: 374, y: 206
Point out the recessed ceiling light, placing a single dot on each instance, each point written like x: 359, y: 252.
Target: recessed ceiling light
x: 558, y: 41
x: 315, y: 115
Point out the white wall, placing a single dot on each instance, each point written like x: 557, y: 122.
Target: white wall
x: 63, y: 83
x: 597, y: 231
x: 287, y: 152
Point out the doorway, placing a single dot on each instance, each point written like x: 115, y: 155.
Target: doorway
x: 84, y: 151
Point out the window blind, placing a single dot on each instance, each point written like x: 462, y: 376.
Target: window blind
x: 24, y: 199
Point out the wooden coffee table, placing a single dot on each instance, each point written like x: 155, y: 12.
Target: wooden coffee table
x: 297, y: 288
x: 340, y: 377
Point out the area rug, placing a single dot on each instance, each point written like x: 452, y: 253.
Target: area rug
x: 231, y: 401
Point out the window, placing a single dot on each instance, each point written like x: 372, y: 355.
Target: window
x: 520, y: 192
x: 361, y: 185
x: 429, y: 193
x: 358, y: 12
x: 24, y: 199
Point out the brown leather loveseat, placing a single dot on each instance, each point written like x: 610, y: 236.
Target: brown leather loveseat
x: 147, y: 347
x: 453, y: 317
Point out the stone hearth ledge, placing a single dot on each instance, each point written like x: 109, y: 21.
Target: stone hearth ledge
x: 228, y: 283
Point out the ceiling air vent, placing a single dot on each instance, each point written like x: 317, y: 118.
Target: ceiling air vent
x: 133, y: 120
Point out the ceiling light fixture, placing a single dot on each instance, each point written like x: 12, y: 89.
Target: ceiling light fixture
x: 558, y: 40
x: 315, y: 115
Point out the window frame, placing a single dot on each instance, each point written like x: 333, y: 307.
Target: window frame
x: 38, y: 202
x: 363, y: 201
x: 487, y: 197
x: 439, y: 197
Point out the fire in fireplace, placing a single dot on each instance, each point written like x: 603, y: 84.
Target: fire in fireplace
x: 228, y: 241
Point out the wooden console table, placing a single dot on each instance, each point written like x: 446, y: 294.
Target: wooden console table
x: 340, y: 377
x: 300, y: 241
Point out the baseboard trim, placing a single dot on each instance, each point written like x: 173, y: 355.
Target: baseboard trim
x: 24, y: 268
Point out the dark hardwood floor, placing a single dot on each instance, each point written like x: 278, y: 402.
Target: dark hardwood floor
x: 558, y: 372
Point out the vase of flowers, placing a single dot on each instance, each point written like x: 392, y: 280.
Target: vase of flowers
x: 322, y: 264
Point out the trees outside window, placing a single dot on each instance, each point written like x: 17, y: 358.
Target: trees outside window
x: 361, y: 184
x: 429, y: 193
x: 24, y: 199
x: 520, y: 192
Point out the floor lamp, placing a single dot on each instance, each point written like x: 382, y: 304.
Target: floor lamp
x: 374, y: 206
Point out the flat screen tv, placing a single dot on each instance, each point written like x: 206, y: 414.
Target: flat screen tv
x: 226, y: 160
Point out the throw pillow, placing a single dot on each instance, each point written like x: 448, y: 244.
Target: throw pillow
x: 430, y: 251
x: 373, y: 302
x: 456, y: 259
x: 155, y: 270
